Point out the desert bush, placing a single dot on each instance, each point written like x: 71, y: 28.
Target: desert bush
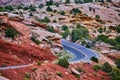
x: 106, y: 67
x: 96, y: 67
x: 59, y: 74
x: 63, y: 62
x: 118, y: 28
x: 117, y: 62
x: 49, y: 9
x: 11, y: 32
x: 97, y: 17
x: 94, y: 59
x: 27, y: 75
x: 39, y: 63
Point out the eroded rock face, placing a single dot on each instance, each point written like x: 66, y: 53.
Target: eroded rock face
x: 36, y: 23
x: 6, y: 2
x: 21, y: 28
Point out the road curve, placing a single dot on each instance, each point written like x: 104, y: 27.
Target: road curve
x: 81, y: 53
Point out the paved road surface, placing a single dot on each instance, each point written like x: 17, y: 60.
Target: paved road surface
x: 80, y: 53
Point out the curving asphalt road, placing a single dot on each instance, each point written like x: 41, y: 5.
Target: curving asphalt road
x: 81, y: 53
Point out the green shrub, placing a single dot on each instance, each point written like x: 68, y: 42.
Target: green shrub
x: 79, y: 33
x: 117, y: 62
x: 78, y: 1
x: 39, y: 63
x: 62, y: 12
x: 40, y: 6
x: 34, y: 69
x: 35, y: 40
x: 88, y: 1
x: 109, y: 0
x: 1, y: 9
x: 118, y: 28
x: 45, y: 20
x: 77, y: 75
x: 50, y: 2
x: 96, y: 67
x: 11, y: 32
x: 63, y: 62
x: 80, y: 70
x: 49, y: 9
x: 117, y: 38
x: 30, y: 14
x: 54, y: 11
x: 94, y: 59
x: 64, y: 27
x: 97, y: 17
x: 75, y: 11
x: 102, y: 37
x: 79, y: 26
x: 59, y: 74
x: 107, y: 67
x: 100, y: 30
x: 65, y: 34
x: 27, y: 75
x: 50, y: 28
x: 32, y: 8
x: 8, y: 8
x: 115, y: 74
x: 67, y: 1
x: 54, y: 21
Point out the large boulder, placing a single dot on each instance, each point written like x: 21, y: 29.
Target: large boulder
x: 3, y: 19
x: 21, y: 28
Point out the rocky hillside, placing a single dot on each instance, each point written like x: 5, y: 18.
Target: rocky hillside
x: 6, y: 2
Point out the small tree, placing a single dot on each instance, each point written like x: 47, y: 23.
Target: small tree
x: 100, y: 30
x: 50, y: 28
x: 75, y: 11
x: 97, y: 17
x: 94, y: 59
x: 35, y: 40
x: 49, y: 9
x: 10, y: 32
x: 64, y: 27
x: 63, y: 62
x: 27, y: 75
x: 65, y: 34
x: 62, y: 12
x: 117, y: 62
x: 30, y: 14
x: 96, y: 67
x: 107, y: 67
x: 40, y: 6
x: 32, y: 8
